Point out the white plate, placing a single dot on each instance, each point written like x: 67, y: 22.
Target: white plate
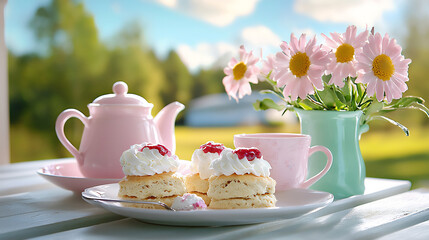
x: 290, y: 204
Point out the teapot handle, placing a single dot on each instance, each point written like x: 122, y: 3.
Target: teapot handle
x: 59, y: 128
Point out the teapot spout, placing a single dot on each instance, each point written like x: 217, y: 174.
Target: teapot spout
x: 164, y: 122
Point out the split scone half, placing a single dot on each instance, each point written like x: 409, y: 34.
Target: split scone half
x: 241, y: 180
x: 150, y: 175
x: 197, y: 181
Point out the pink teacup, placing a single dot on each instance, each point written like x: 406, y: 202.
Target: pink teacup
x: 288, y: 155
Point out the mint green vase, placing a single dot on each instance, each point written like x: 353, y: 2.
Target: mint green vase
x: 340, y: 132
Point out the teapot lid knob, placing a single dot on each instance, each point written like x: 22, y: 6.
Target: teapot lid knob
x: 120, y: 88
x: 121, y: 96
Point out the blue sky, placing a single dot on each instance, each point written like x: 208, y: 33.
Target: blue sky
x: 204, y: 31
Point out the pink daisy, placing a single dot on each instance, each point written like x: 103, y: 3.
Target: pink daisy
x: 299, y: 67
x: 240, y: 73
x: 383, y: 67
x: 343, y: 48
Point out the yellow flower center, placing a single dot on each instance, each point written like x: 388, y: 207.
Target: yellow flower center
x: 299, y: 64
x: 239, y: 70
x: 345, y: 53
x: 383, y: 67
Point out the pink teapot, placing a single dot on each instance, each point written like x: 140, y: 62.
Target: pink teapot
x: 116, y: 122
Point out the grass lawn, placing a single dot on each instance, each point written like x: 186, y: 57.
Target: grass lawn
x: 387, y: 154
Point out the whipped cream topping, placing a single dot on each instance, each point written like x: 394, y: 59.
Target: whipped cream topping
x: 188, y: 202
x: 141, y: 161
x: 229, y: 163
x: 200, y: 162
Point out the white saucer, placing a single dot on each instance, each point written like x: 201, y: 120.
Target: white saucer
x: 68, y: 176
x: 290, y: 204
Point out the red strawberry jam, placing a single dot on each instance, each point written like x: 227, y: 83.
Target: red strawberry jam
x: 249, y: 153
x: 212, y: 147
x: 161, y: 149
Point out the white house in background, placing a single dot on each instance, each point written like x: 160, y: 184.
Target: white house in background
x: 218, y: 110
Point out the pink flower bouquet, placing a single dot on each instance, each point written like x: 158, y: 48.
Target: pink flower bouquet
x: 349, y: 72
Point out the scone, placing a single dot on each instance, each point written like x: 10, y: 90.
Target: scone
x: 150, y: 175
x: 197, y: 181
x: 241, y: 179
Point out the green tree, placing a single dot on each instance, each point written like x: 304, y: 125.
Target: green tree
x: 208, y: 81
x: 417, y: 49
x: 178, y: 80
x: 133, y: 62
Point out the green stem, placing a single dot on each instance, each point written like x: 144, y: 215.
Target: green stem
x: 276, y: 89
x: 315, y: 102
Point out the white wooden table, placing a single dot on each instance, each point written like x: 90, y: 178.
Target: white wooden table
x: 31, y: 207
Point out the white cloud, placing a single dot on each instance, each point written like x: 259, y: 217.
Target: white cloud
x: 168, y: 3
x: 216, y: 12
x: 206, y: 54
x: 260, y: 36
x: 308, y: 32
x: 357, y: 12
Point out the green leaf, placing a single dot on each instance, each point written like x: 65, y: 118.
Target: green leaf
x: 414, y: 105
x: 340, y: 97
x: 327, y: 97
x: 392, y: 122
x: 307, y: 104
x: 347, y: 91
x: 361, y: 93
x: 326, y: 78
x: 267, y: 103
x: 353, y: 104
x: 421, y: 107
x: 365, y: 104
x: 405, y: 102
x: 373, y: 108
x: 256, y: 105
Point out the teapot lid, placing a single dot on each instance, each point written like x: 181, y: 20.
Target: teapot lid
x: 120, y: 96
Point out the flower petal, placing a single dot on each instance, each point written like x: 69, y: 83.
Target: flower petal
x: 371, y: 88
x: 305, y: 87
x: 337, y: 38
x: 363, y: 59
x: 330, y: 43
x: 282, y: 59
x: 384, y: 43
x: 379, y: 90
x: 244, y: 89
x: 349, y: 34
x: 301, y: 43
x: 387, y: 91
x: 316, y: 79
x: 402, y: 86
x: 361, y: 39
x: 310, y: 46
x: 368, y: 51
x: 377, y: 44
x: 294, y: 44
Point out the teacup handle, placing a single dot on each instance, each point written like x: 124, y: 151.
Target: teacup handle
x: 59, y: 128
x: 316, y: 177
